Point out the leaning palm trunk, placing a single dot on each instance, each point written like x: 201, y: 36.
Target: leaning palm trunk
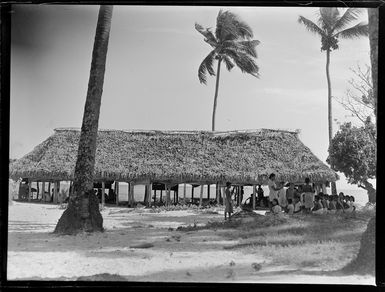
x: 216, y: 95
x: 83, y: 213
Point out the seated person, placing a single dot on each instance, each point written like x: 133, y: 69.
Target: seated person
x: 333, y: 204
x: 290, y: 207
x: 340, y: 202
x: 297, y: 205
x: 318, y: 207
x: 276, y: 208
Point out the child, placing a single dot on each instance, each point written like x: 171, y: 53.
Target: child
x: 318, y: 208
x: 290, y: 207
x: 297, y: 205
x: 276, y: 209
x: 228, y: 201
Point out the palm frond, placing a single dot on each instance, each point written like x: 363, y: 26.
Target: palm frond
x: 311, y: 26
x: 351, y: 14
x: 209, y: 36
x: 361, y: 29
x: 249, y: 47
x: 230, y: 27
x: 206, y: 66
x: 245, y: 63
x: 229, y: 64
x: 328, y: 16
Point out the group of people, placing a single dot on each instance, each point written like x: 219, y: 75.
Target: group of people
x: 303, y: 199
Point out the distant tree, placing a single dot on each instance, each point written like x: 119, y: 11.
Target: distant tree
x: 353, y: 152
x: 82, y: 213
x: 359, y: 99
x: 332, y: 26
x: 232, y: 45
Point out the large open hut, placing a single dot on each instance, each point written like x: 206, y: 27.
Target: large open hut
x: 162, y: 160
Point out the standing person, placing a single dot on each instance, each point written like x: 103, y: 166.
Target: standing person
x: 228, y: 201
x: 273, y: 189
x: 291, y: 192
x: 260, y: 196
x: 282, y: 195
x: 308, y: 195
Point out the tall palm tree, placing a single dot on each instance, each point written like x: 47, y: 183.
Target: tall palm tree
x: 231, y: 43
x: 331, y: 26
x: 373, y: 14
x: 83, y: 213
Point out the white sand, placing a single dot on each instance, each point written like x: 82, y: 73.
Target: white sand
x: 197, y: 256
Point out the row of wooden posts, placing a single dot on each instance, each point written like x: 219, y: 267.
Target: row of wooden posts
x: 220, y: 191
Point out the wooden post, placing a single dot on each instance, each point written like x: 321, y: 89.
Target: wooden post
x: 37, y: 190
x: 117, y: 193
x: 184, y: 192
x: 254, y: 193
x: 154, y: 197
x: 161, y: 195
x: 103, y: 190
x: 29, y: 190
x: 43, y: 191
x: 55, y: 192
x: 201, y: 196
x: 223, y: 195
x: 49, y: 191
x: 148, y: 203
x: 167, y: 194
x: 132, y: 199
x: 208, y: 192
x: 217, y: 192
x: 192, y: 194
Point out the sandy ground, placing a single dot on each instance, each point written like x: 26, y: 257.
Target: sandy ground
x: 34, y: 253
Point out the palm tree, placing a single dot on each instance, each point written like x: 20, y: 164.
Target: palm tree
x: 231, y: 43
x: 373, y: 39
x: 331, y: 26
x: 83, y: 212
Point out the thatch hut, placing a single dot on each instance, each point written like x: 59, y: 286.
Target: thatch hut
x: 168, y: 158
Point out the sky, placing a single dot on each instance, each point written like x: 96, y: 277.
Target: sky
x: 151, y: 79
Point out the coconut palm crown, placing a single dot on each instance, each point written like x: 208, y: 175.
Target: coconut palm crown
x: 231, y: 43
x: 331, y: 26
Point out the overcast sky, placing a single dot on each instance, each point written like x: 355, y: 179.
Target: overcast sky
x: 151, y: 77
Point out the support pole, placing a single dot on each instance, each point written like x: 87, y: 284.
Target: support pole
x: 103, y: 190
x: 55, y: 192
x: 148, y: 202
x: 217, y: 192
x: 132, y: 199
x: 192, y: 194
x: 161, y: 194
x: 208, y: 192
x: 254, y: 193
x: 43, y: 191
x: 49, y: 191
x: 29, y: 190
x: 201, y: 196
x: 154, y: 197
x: 184, y: 192
x: 117, y: 193
x: 37, y: 190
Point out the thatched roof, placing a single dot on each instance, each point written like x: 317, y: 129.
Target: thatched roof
x: 242, y: 157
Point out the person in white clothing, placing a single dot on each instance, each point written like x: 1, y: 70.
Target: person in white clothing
x: 273, y: 189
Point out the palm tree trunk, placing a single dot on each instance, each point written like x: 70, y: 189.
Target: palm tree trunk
x: 330, y: 120
x: 83, y: 213
x: 216, y: 95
